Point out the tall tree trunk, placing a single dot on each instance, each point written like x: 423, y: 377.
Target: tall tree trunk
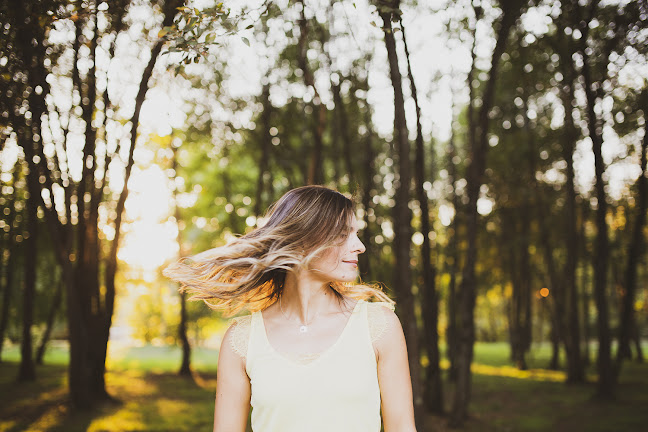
x: 585, y: 283
x: 402, y: 216
x: 635, y: 249
x: 7, y: 290
x: 367, y: 203
x: 266, y: 146
x: 10, y: 263
x: 315, y: 172
x: 512, y: 245
x: 98, y: 383
x: 433, y: 382
x: 467, y: 290
x: 575, y: 369
x: 185, y: 366
x: 637, y: 341
x: 340, y: 113
x: 49, y: 324
x: 27, y: 370
x: 453, y: 254
x: 605, y: 387
x: 554, y: 362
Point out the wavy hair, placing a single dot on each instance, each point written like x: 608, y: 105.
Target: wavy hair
x: 250, y: 271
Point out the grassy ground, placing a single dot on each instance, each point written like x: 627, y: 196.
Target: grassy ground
x: 152, y: 398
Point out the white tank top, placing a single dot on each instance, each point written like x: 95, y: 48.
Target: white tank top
x: 334, y: 391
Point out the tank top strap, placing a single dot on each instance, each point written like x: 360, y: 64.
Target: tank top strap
x: 356, y: 336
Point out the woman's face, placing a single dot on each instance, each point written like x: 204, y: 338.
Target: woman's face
x: 340, y: 263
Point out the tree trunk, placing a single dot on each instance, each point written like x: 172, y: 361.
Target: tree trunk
x: 554, y: 363
x: 637, y: 341
x: 402, y: 216
x: 185, y: 367
x: 340, y: 113
x: 7, y: 291
x: 315, y: 172
x: 9, y: 265
x: 266, y: 146
x: 605, y: 387
x: 585, y: 292
x: 575, y: 369
x: 98, y: 383
x: 433, y: 382
x: 368, y: 164
x: 453, y: 253
x: 628, y: 323
x: 51, y: 315
x: 27, y: 370
x: 467, y: 290
x: 512, y: 247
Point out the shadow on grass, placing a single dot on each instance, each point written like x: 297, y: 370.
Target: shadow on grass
x: 146, y: 402
x: 530, y: 402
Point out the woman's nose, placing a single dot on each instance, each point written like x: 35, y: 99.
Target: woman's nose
x: 359, y: 246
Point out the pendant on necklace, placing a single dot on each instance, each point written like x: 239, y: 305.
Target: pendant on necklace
x: 303, y: 329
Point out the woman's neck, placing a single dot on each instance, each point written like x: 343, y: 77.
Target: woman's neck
x: 305, y: 297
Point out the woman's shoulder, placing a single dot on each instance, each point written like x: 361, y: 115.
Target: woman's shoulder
x: 381, y: 319
x: 238, y: 334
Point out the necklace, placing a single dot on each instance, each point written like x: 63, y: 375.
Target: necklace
x: 303, y: 328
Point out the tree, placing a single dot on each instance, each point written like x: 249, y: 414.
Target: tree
x: 511, y: 9
x: 635, y: 251
x: 434, y: 390
x: 73, y: 226
x: 402, y: 216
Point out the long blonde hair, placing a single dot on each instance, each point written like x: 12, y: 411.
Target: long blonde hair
x: 250, y: 271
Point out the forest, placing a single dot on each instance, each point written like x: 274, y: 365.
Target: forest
x: 496, y: 152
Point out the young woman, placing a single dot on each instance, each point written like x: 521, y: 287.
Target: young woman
x: 314, y: 355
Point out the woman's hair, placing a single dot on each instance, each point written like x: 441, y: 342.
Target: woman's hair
x: 251, y: 270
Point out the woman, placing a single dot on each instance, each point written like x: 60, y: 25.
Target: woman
x: 314, y: 355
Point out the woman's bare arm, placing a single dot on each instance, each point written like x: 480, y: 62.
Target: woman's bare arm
x: 232, y: 389
x: 394, y: 377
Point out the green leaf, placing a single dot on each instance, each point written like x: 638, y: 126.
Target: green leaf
x: 245, y: 41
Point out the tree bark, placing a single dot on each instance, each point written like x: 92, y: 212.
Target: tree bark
x: 402, y: 216
x: 27, y: 369
x: 433, y: 382
x: 10, y: 263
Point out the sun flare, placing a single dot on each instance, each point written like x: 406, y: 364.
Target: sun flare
x: 150, y: 236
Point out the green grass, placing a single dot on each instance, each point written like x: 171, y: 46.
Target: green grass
x: 157, y: 359
x: 153, y: 399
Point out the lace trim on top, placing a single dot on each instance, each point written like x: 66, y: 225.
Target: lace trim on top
x: 241, y: 334
x: 377, y: 320
x: 377, y: 317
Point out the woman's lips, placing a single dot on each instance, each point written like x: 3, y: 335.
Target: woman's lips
x: 352, y: 262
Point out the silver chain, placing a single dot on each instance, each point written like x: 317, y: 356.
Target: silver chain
x: 303, y: 327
